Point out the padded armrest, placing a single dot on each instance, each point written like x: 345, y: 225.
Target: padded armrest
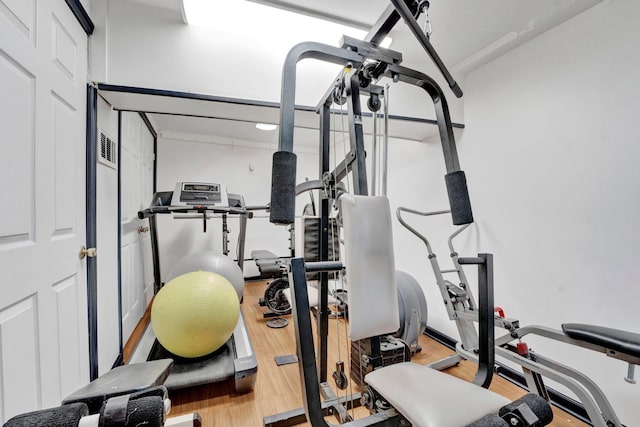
x: 613, y: 339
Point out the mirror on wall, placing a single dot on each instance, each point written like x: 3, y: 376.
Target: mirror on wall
x: 166, y: 137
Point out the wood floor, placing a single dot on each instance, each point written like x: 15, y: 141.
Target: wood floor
x: 277, y: 388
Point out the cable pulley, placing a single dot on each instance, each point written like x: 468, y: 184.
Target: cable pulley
x: 373, y: 103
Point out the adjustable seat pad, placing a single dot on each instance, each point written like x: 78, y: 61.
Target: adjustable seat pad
x: 430, y: 398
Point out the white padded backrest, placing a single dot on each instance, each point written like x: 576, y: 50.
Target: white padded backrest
x: 370, y: 267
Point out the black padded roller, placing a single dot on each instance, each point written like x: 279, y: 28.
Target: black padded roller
x: 283, y: 188
x: 489, y: 421
x: 459, y: 198
x: 538, y: 405
x: 147, y: 411
x: 66, y: 415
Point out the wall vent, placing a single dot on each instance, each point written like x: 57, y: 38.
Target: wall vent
x: 108, y: 151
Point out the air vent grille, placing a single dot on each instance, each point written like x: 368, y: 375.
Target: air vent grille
x: 108, y: 151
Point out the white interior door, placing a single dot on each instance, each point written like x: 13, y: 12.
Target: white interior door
x: 136, y: 183
x: 146, y: 182
x: 43, y: 294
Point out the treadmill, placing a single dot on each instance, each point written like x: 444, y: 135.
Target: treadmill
x: 235, y: 359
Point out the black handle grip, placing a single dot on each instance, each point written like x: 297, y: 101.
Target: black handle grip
x: 283, y: 188
x: 459, y: 198
x: 457, y: 90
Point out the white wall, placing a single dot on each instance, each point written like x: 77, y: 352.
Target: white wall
x: 107, y: 238
x: 216, y: 159
x: 550, y: 150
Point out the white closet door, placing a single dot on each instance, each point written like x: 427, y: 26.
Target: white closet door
x: 44, y: 352
x: 136, y: 194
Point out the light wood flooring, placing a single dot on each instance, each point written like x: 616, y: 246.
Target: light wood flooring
x: 277, y: 388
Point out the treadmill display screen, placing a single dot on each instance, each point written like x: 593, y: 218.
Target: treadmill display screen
x: 200, y: 193
x: 209, y: 188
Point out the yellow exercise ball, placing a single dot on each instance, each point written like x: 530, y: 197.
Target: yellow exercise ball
x: 195, y: 313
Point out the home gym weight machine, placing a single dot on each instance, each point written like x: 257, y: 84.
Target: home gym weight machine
x: 365, y: 63
x: 462, y: 309
x: 269, y: 264
x: 411, y: 302
x: 235, y: 359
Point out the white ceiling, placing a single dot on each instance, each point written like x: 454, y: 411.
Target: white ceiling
x: 466, y: 34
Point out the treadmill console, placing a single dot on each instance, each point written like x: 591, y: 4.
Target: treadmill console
x: 199, y: 194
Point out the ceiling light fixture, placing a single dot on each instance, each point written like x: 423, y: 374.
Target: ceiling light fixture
x: 271, y: 25
x: 266, y: 126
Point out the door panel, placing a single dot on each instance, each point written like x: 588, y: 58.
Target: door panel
x: 16, y: 178
x: 66, y: 173
x: 21, y: 14
x: 18, y: 329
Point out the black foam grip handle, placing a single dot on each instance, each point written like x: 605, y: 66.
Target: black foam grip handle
x: 459, y: 198
x: 489, y: 421
x: 147, y: 411
x: 538, y: 405
x: 457, y: 90
x: 283, y: 188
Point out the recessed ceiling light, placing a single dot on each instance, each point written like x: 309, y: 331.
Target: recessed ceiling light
x: 266, y: 126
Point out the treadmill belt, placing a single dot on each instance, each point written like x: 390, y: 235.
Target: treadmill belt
x: 186, y: 372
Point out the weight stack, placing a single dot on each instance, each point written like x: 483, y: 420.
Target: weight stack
x: 311, y: 242
x: 363, y: 359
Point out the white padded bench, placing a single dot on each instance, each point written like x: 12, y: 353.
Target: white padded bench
x: 430, y: 398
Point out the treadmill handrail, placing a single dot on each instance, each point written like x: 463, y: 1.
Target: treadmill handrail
x: 190, y: 209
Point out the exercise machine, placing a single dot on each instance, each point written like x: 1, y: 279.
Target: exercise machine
x: 276, y: 297
x: 395, y: 393
x: 462, y: 309
x: 235, y: 360
x: 411, y: 301
x: 373, y: 306
x: 271, y: 266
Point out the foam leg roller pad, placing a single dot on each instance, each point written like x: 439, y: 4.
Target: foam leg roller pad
x: 489, y: 421
x: 66, y: 415
x: 144, y: 411
x: 459, y: 198
x: 283, y: 188
x: 536, y: 404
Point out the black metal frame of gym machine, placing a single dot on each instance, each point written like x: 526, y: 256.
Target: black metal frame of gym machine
x: 354, y: 53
